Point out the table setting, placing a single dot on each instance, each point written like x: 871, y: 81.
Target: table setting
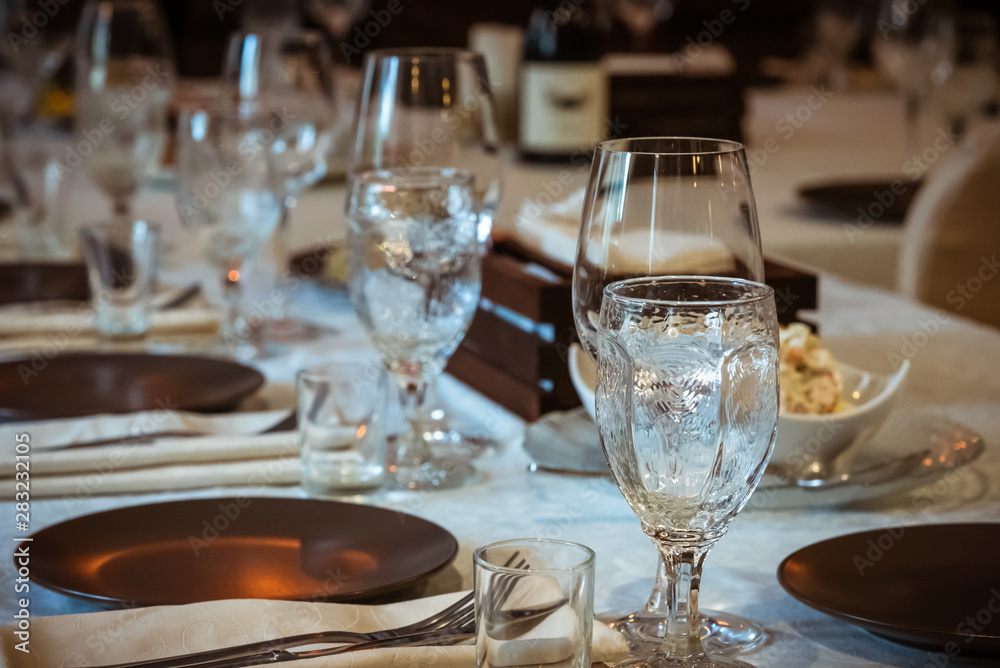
x: 627, y: 424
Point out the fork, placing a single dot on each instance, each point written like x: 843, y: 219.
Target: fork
x: 454, y: 617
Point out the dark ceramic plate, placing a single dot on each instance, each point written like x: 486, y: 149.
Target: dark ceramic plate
x: 85, y: 384
x: 29, y: 282
x: 917, y: 585
x: 210, y: 549
x: 881, y: 201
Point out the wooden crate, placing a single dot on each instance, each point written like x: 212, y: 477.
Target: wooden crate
x: 517, y: 347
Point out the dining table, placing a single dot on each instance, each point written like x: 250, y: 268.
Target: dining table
x: 955, y: 374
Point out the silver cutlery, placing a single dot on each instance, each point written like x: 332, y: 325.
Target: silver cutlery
x: 180, y: 298
x: 872, y: 475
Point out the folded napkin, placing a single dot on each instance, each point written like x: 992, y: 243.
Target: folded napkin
x: 142, y: 634
x: 554, y: 230
x: 236, y: 456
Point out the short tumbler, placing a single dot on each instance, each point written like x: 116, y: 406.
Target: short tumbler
x: 534, y: 603
x: 121, y: 267
x: 342, y: 434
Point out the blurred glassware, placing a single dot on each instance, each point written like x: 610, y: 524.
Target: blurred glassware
x: 641, y: 17
x: 414, y: 283
x: 229, y: 194
x: 687, y: 408
x: 836, y: 32
x: 913, y: 46
x: 264, y: 15
x: 336, y: 16
x: 122, y: 259
x: 502, y: 47
x: 659, y: 206
x: 429, y: 107
x: 124, y: 82
x: 973, y: 81
x: 287, y: 72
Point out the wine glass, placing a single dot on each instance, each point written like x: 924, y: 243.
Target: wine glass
x: 124, y: 82
x: 288, y: 70
x: 687, y: 408
x: 414, y: 283
x: 229, y: 194
x: 913, y: 46
x: 432, y: 108
x: 666, y: 206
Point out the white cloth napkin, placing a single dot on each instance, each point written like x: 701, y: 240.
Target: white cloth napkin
x: 142, y: 634
x: 554, y: 231
x: 233, y: 455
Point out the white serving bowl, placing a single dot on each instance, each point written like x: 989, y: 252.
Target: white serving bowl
x: 806, y: 444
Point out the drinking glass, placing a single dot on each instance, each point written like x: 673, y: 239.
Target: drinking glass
x: 229, y: 195
x: 687, y: 408
x: 660, y: 206
x: 124, y: 81
x: 287, y: 70
x: 121, y: 269
x: 414, y: 283
x: 913, y: 46
x: 534, y: 603
x: 342, y: 434
x: 428, y: 107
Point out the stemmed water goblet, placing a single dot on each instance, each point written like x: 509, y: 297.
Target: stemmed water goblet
x: 414, y: 283
x: 687, y: 408
x: 229, y: 195
x: 428, y: 107
x: 666, y: 206
x: 124, y: 82
x: 288, y: 72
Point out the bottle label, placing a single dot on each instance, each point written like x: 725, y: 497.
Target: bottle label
x: 563, y: 106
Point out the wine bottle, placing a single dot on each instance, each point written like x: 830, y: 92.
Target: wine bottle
x: 564, y: 96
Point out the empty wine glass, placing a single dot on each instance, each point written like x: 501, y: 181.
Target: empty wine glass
x: 288, y: 70
x: 124, y: 81
x: 687, y: 408
x: 229, y: 195
x: 913, y: 46
x: 414, y: 282
x: 659, y: 206
x: 428, y: 107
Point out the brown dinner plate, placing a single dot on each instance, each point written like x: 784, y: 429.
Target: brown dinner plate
x: 933, y: 586
x: 220, y: 548
x: 874, y: 201
x: 42, y: 281
x: 76, y: 384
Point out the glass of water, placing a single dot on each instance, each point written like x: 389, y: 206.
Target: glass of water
x: 121, y: 269
x: 342, y: 412
x: 687, y: 408
x: 414, y: 283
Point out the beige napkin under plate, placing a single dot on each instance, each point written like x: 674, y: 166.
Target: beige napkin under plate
x: 554, y: 230
x: 236, y: 456
x: 141, y: 634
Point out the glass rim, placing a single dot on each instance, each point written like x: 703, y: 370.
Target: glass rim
x: 590, y: 557
x: 414, y: 176
x: 429, y: 52
x: 761, y: 291
x: 622, y: 144
x: 290, y: 32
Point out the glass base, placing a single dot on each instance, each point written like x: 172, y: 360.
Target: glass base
x: 721, y: 633
x: 453, y: 443
x: 433, y: 474
x: 703, y: 661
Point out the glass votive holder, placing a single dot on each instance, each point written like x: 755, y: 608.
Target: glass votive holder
x: 534, y: 603
x: 121, y: 262
x: 342, y: 431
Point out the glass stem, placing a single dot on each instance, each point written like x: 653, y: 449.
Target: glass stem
x: 120, y: 208
x: 281, y: 244
x: 412, y: 450
x: 231, y: 301
x: 683, y: 564
x: 913, y: 120
x: 657, y: 603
